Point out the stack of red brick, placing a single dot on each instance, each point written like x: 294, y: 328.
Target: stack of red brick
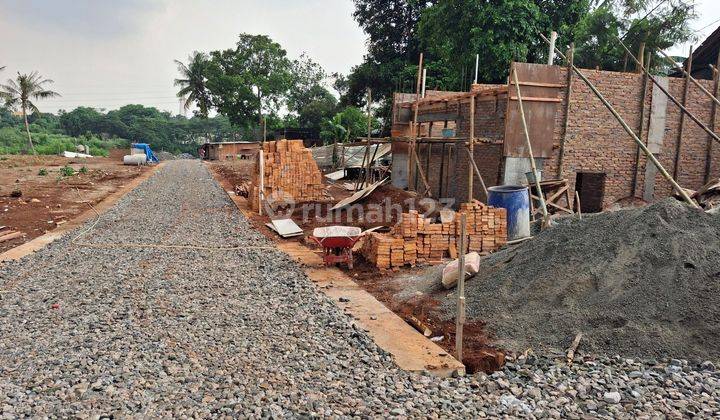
x: 416, y: 240
x: 289, y: 170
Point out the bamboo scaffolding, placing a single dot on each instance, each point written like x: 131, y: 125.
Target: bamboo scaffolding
x: 672, y: 98
x: 678, y: 66
x: 630, y: 132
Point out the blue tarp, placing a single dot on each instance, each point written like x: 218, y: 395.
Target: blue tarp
x: 148, y: 151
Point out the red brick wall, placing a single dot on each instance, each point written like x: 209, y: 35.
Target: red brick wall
x: 596, y: 142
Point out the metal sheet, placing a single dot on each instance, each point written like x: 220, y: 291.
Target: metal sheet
x: 540, y: 114
x: 286, y: 228
x: 336, y: 176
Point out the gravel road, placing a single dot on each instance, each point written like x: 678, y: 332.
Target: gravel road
x: 99, y: 327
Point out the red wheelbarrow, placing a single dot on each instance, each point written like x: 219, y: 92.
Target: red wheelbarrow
x: 337, y: 243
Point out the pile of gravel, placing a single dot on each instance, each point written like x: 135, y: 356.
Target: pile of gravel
x: 163, y: 156
x: 641, y: 282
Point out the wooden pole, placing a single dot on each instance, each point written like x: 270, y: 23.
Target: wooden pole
x: 369, y: 133
x: 672, y: 98
x: 428, y: 192
x: 688, y: 74
x: 551, y: 49
x: 641, y: 129
x: 632, y: 134
x: 262, y: 181
x: 577, y: 203
x: 566, y: 122
x: 471, y: 147
x: 460, y: 318
x: 528, y: 144
x: 414, y: 131
x: 713, y: 120
x: 477, y: 67
x: 477, y: 172
x: 681, y: 128
x: 441, y: 181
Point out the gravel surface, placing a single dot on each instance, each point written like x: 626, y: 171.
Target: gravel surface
x: 98, y: 331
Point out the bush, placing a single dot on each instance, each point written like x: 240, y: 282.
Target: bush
x: 43, y: 172
x: 83, y: 170
x: 67, y: 171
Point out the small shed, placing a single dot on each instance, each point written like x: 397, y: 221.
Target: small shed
x: 235, y: 150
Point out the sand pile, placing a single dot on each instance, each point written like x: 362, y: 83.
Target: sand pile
x: 642, y: 282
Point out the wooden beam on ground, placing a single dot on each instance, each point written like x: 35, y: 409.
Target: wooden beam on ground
x: 632, y: 134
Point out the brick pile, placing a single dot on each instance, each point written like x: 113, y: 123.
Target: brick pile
x: 417, y: 240
x: 291, y: 170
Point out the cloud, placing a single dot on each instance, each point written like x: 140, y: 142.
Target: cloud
x: 83, y: 18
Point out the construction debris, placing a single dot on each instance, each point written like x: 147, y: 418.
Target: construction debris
x: 289, y: 170
x: 286, y: 228
x: 450, y: 272
x: 417, y: 240
x: 8, y: 236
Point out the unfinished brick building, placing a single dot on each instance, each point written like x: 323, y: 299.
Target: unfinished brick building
x: 573, y: 135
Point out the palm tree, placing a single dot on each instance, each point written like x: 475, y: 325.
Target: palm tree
x: 20, y: 91
x: 192, y: 82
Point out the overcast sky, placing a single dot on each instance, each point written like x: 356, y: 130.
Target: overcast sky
x: 106, y: 53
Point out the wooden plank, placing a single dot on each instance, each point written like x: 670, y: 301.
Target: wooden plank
x: 536, y: 99
x: 539, y: 84
x: 10, y: 236
x: 540, y: 106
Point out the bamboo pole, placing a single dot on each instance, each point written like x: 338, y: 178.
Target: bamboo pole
x: 369, y: 133
x: 471, y: 146
x: 632, y: 134
x: 477, y: 172
x: 566, y: 122
x: 678, y: 141
x: 262, y: 182
x: 414, y: 131
x: 672, y: 98
x: 460, y: 318
x: 713, y: 120
x: 689, y: 75
x: 641, y: 129
x: 543, y: 206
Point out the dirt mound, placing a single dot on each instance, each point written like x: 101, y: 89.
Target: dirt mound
x: 642, y: 282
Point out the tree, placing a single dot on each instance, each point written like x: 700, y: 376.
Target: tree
x: 501, y: 32
x: 81, y: 120
x: 393, y: 50
x: 658, y: 23
x: 347, y: 125
x: 250, y: 79
x: 308, y: 101
x: 193, y: 82
x: 20, y: 93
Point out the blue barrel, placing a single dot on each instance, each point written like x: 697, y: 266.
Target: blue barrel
x: 516, y: 200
